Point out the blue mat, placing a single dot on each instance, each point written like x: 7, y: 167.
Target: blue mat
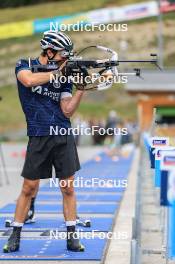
x: 38, y: 249
x: 57, y: 208
x: 104, y: 172
x: 106, y: 159
x: 99, y: 224
x: 85, y: 189
x: 103, y: 176
x: 92, y: 169
x: 82, y: 197
x: 110, y: 176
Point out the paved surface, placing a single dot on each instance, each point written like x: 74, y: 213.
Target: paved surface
x: 119, y: 250
x: 152, y: 219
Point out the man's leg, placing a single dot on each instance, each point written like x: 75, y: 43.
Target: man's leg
x: 69, y: 199
x: 30, y: 214
x: 22, y: 208
x: 69, y: 211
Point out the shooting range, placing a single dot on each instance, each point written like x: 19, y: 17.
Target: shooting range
x: 103, y: 73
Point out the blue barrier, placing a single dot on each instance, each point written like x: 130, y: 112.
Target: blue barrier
x: 156, y: 142
x: 171, y: 232
x: 163, y: 190
x: 167, y: 166
x: 152, y: 155
x: 164, y: 163
x: 157, y: 175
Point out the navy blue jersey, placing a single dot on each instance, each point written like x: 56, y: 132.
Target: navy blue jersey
x: 41, y: 104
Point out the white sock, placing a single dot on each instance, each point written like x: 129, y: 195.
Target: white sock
x: 70, y: 223
x: 16, y: 224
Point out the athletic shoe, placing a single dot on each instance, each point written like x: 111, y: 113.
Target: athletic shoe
x: 82, y: 222
x: 30, y: 217
x: 13, y: 242
x: 73, y: 243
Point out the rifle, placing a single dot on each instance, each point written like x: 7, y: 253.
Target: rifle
x: 107, y: 67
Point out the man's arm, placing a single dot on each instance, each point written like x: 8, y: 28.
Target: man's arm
x: 29, y: 79
x: 70, y: 104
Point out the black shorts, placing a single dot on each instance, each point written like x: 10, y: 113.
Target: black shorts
x: 46, y: 152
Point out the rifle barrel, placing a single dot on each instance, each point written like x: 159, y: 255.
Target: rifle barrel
x: 141, y: 61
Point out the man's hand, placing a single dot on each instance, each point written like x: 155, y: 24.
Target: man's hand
x: 63, y: 70
x: 80, y: 87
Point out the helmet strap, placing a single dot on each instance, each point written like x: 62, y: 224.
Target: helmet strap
x: 54, y: 54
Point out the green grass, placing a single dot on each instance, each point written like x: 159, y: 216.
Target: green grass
x: 24, y: 40
x: 47, y: 10
x: 98, y: 104
x: 170, y: 60
x: 55, y: 9
x: 99, y: 110
x: 12, y: 117
x: 11, y: 114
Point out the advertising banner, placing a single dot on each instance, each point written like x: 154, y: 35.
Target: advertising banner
x: 167, y: 6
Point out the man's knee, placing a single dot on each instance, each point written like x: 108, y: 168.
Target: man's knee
x: 67, y: 187
x: 29, y: 187
x: 68, y: 191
